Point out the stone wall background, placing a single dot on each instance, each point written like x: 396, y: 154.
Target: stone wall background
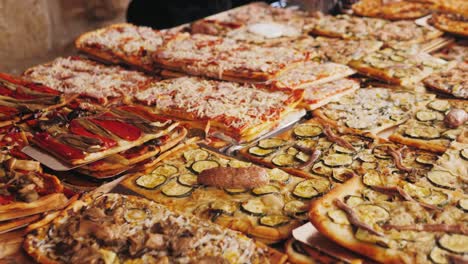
x: 37, y: 31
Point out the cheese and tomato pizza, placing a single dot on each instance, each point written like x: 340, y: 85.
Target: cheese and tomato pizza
x: 452, y: 81
x: 392, y: 10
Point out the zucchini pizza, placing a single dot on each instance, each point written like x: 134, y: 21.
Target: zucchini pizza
x: 405, y: 68
x: 122, y: 43
x: 225, y: 59
x: 434, y: 126
x: 101, y: 83
x: 452, y: 81
x: 262, y: 203
x: 372, y: 109
x: 239, y: 111
x: 391, y: 224
x: 115, y: 228
x: 82, y: 135
x: 392, y: 10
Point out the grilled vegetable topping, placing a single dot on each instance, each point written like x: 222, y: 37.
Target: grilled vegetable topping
x: 135, y: 215
x: 342, y: 174
x: 338, y: 217
x: 174, y: 189
x: 165, y: 170
x: 295, y: 207
x: 235, y: 190
x: 254, y: 207
x: 381, y: 151
x: 267, y: 189
x: 274, y: 220
x: 201, y: 165
x: 424, y: 132
x: 439, y: 256
x: 270, y: 143
x: 283, y: 160
x: 239, y: 164
x: 424, y: 115
x: 336, y: 160
x: 260, y: 152
x: 225, y: 207
x: 456, y: 243
x: 370, y: 213
x: 278, y: 175
x: 464, y: 154
x: 310, y: 188
x: 439, y: 105
x: 150, y: 181
x: 196, y: 154
x: 353, y: 201
x: 443, y: 179
x: 321, y: 169
x: 426, y: 159
x: 187, y: 179
x: 307, y: 130
x: 372, y: 178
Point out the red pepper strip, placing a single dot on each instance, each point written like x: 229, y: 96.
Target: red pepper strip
x: 120, y: 129
x: 78, y: 129
x: 6, y: 199
x: 6, y: 110
x: 48, y: 142
x: 42, y: 89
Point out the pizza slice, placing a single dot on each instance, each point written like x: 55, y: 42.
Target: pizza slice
x: 100, y: 83
x: 241, y: 112
x: 452, y: 81
x: 392, y: 10
x: 148, y: 233
x: 79, y: 136
x: 225, y: 59
x: 372, y: 109
x: 122, y: 43
x: 405, y: 31
x: 316, y: 96
x: 394, y: 227
x: 456, y: 51
x: 400, y: 67
x: 452, y: 23
x: 262, y: 203
x: 448, y: 6
x: 22, y: 99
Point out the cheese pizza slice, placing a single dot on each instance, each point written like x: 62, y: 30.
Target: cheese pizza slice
x: 393, y: 10
x: 432, y: 128
x: 239, y: 111
x: 372, y: 109
x: 452, y: 23
x: 316, y: 96
x: 122, y: 43
x: 452, y: 81
x: 101, y: 83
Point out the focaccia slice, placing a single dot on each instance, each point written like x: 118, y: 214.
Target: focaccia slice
x: 452, y: 23
x: 122, y: 43
x: 427, y: 130
x: 389, y: 228
x: 239, y: 111
x: 405, y: 68
x: 148, y: 231
x: 457, y: 51
x: 395, y: 10
x: 316, y: 96
x: 268, y: 212
x: 452, y: 81
x: 372, y: 109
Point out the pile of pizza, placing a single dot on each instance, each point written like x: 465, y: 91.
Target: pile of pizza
x: 223, y: 136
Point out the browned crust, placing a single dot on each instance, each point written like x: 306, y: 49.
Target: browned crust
x: 324, y: 33
x: 45, y: 203
x: 418, y: 143
x: 373, y: 72
x: 445, y: 23
x: 17, y: 223
x: 391, y: 11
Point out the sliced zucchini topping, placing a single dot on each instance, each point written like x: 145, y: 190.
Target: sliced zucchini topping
x: 274, y: 220
x: 278, y: 175
x: 135, y: 215
x: 301, y: 156
x: 439, y: 256
x: 424, y: 132
x: 260, y: 152
x: 456, y: 243
x: 426, y: 159
x: 436, y: 198
x: 366, y: 156
x: 270, y: 143
x: 283, y: 160
x: 341, y: 149
x: 342, y: 174
x: 464, y: 153
x: 365, y: 236
x: 174, y: 189
x: 381, y: 152
x: 201, y: 165
x: 439, y: 105
x: 307, y: 130
x: 372, y: 178
x: 336, y: 160
x: 372, y: 214
x: 425, y: 115
x: 338, y: 217
x: 224, y: 206
x: 310, y: 188
x: 306, y: 143
x: 292, y: 151
x: 295, y: 207
x: 357, y: 141
x: 369, y: 165
x: 150, y: 181
x: 451, y: 134
x: 165, y: 170
x: 320, y: 169
x: 196, y: 154
x: 254, y: 207
x: 358, y: 123
x: 417, y: 191
x: 235, y: 190
x: 442, y: 179
x: 239, y: 164
x: 463, y: 204
x: 267, y: 189
x: 188, y: 179
x: 353, y: 200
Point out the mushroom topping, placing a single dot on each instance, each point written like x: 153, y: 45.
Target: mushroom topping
x: 229, y: 177
x: 455, y: 118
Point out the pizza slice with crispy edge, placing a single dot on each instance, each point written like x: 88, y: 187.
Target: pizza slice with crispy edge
x: 405, y: 68
x: 387, y: 225
x: 240, y: 111
x: 21, y: 99
x: 457, y: 51
x: 426, y: 129
x: 372, y: 109
x: 98, y: 82
x: 123, y: 43
x: 79, y: 136
x: 268, y: 212
x: 452, y: 81
x: 396, y: 10
x: 316, y: 96
x: 150, y: 231
x: 447, y: 6
x: 451, y: 23
x: 225, y: 59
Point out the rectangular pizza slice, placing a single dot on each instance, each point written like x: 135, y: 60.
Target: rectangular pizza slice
x: 454, y: 23
x: 79, y: 136
x: 316, y: 96
x: 122, y: 43
x: 101, y: 83
x: 452, y: 81
x: 262, y: 203
x: 373, y: 109
x: 431, y: 127
x: 114, y: 228
x: 457, y: 51
x: 239, y: 111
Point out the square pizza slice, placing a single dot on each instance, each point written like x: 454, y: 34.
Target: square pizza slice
x: 122, y: 43
x: 240, y: 111
x: 452, y: 81
x: 372, y: 109
x: 432, y: 127
x: 316, y: 96
x: 100, y: 83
